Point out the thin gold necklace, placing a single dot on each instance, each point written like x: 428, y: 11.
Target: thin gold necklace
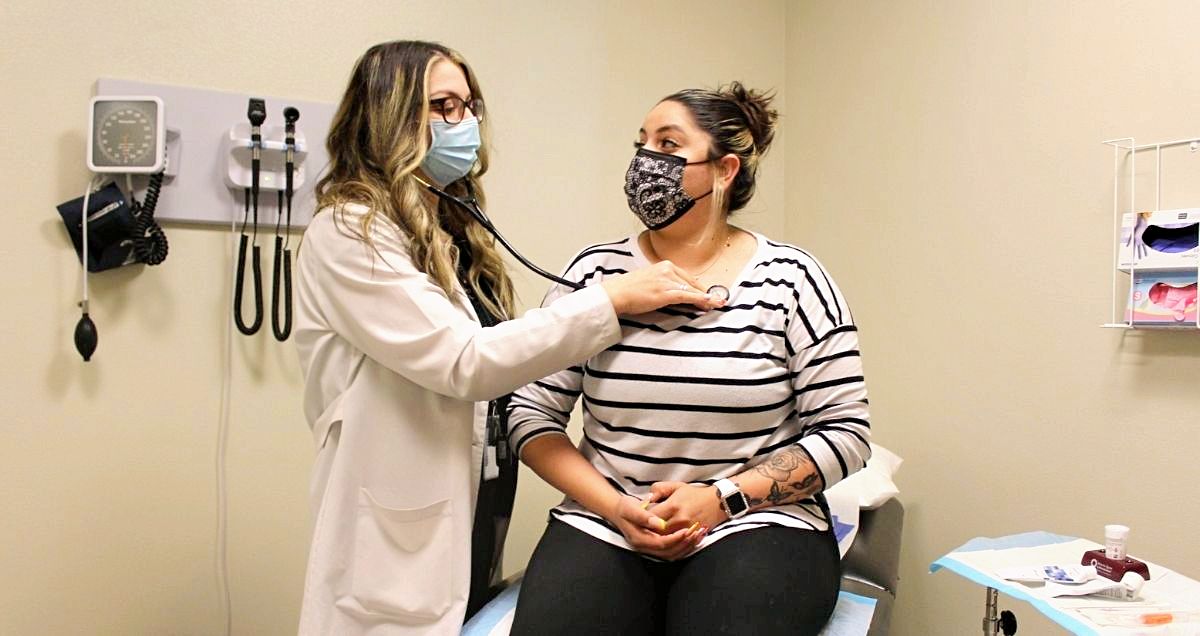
x: 720, y: 252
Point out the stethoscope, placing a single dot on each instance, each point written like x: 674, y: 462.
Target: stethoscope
x: 471, y: 205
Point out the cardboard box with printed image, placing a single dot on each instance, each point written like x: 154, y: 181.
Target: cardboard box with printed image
x: 1164, y: 239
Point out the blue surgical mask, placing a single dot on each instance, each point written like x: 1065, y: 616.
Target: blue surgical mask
x: 453, y: 151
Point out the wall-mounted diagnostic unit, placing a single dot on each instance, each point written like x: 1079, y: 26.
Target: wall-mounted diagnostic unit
x: 126, y: 135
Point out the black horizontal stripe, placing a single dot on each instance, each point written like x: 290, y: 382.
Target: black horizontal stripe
x: 677, y: 434
x: 778, y: 283
x: 646, y: 483
x: 600, y: 248
x: 558, y: 389
x: 789, y: 246
x: 826, y: 407
x: 852, y: 353
x: 773, y: 282
x: 601, y: 270
x: 734, y: 525
x: 693, y: 408
x: 673, y: 311
x: 616, y: 485
x: 807, y: 505
x: 691, y: 329
x: 683, y: 379
x: 695, y: 354
x: 758, y: 303
x: 690, y: 461
x: 832, y: 332
x: 782, y: 512
x: 817, y: 386
x: 576, y: 369
x: 771, y: 448
x: 519, y: 400
x: 837, y: 428
x: 843, y: 420
x: 778, y: 260
x: 558, y: 512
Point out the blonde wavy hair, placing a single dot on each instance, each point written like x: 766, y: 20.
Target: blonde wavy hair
x: 377, y: 141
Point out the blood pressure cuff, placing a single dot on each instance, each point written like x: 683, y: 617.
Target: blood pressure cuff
x: 110, y: 228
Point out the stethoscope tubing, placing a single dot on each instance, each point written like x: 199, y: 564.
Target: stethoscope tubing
x: 476, y: 212
x: 472, y: 207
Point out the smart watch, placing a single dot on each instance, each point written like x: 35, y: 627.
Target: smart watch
x: 733, y: 502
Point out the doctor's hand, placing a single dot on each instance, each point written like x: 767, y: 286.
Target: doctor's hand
x: 686, y: 505
x: 658, y: 285
x: 646, y: 532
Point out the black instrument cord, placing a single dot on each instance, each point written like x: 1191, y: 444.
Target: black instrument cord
x: 149, y: 241
x: 257, y: 114
x: 283, y: 255
x: 256, y: 265
x: 283, y: 260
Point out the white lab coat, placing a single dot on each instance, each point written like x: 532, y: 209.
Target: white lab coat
x: 397, y: 378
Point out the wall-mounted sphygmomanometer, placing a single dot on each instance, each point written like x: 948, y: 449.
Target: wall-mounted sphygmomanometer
x: 270, y: 158
x: 127, y: 135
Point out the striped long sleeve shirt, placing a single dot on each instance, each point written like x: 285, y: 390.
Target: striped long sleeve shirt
x: 698, y: 396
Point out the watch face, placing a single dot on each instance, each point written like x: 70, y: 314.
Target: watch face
x: 736, y: 504
x: 125, y: 133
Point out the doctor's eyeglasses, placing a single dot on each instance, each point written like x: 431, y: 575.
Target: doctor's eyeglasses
x: 453, y: 109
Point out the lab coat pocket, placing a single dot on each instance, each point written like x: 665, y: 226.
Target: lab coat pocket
x: 402, y: 558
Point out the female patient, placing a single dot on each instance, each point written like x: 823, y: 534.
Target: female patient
x: 693, y: 502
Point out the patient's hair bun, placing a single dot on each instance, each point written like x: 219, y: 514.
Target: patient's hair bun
x: 756, y: 107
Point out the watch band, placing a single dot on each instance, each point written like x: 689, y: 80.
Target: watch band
x: 733, y: 501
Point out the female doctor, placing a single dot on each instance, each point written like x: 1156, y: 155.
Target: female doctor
x: 401, y: 327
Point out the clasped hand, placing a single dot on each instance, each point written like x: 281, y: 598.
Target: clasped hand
x: 671, y: 522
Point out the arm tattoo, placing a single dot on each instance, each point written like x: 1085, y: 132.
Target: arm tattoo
x: 786, y: 485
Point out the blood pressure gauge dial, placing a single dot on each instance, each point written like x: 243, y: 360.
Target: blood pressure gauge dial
x: 125, y: 135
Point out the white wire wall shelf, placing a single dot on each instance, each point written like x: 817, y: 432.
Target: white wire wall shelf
x: 1165, y: 279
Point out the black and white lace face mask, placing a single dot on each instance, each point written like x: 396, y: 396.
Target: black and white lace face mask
x: 654, y: 187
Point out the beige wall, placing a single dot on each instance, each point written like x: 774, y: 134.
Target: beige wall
x: 944, y: 160
x: 108, y: 468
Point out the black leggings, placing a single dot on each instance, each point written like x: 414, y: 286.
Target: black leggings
x: 769, y: 580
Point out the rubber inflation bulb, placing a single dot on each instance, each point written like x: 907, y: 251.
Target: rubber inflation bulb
x: 85, y: 337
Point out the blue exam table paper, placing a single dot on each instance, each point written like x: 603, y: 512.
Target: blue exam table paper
x: 1015, y: 590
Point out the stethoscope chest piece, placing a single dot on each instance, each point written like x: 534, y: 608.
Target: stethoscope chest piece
x: 719, y: 291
